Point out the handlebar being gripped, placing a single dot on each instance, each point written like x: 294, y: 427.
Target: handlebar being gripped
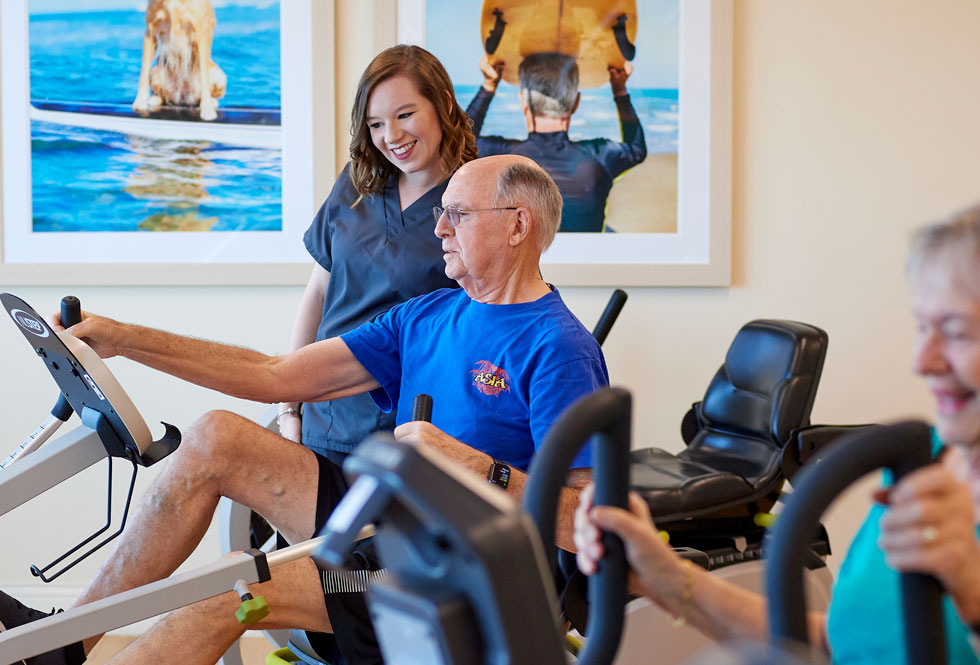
x: 903, y: 448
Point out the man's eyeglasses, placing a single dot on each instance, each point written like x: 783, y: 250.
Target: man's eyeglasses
x: 454, y: 214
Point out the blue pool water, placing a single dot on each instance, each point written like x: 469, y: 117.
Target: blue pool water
x: 89, y: 180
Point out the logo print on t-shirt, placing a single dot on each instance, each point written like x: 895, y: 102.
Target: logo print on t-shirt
x: 490, y: 379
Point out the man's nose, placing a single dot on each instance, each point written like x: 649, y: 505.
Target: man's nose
x: 443, y: 228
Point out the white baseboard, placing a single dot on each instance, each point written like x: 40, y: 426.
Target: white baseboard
x: 43, y: 598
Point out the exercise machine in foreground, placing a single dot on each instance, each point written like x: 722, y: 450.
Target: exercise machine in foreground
x: 111, y: 426
x: 448, y: 541
x: 469, y: 573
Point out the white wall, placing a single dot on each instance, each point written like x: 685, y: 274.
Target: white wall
x: 853, y: 124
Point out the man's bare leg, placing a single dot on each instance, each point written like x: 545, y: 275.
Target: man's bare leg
x: 202, y: 632
x: 221, y: 455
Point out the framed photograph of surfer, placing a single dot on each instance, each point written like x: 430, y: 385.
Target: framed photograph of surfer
x: 627, y: 103
x: 157, y: 141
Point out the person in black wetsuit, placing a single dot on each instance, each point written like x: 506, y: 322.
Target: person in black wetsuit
x: 583, y: 170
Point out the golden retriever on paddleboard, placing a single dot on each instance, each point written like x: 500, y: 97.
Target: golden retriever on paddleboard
x: 179, y: 35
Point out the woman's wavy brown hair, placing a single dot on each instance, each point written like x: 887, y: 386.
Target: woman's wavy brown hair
x: 369, y: 169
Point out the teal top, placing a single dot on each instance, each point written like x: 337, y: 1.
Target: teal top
x: 865, y: 624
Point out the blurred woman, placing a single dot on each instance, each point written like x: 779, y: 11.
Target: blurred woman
x: 927, y: 523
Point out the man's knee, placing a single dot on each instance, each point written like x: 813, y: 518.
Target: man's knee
x: 214, y: 435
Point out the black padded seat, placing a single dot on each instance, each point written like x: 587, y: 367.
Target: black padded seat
x: 758, y: 401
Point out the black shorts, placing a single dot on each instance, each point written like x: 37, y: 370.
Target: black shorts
x: 353, y: 641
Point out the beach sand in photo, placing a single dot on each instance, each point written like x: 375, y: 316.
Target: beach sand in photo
x: 644, y: 199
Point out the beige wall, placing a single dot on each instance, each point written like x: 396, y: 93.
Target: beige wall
x: 854, y: 122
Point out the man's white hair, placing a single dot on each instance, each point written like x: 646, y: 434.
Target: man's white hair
x: 549, y: 82
x: 527, y: 184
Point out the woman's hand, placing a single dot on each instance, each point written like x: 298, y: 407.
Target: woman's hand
x: 931, y: 528
x: 291, y: 426
x: 657, y: 570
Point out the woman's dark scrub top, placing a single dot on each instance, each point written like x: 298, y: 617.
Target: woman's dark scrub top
x: 378, y: 255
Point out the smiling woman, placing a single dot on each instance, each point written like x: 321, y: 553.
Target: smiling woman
x: 405, y: 128
x: 946, y: 300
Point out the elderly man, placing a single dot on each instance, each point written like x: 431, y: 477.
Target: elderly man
x: 502, y: 357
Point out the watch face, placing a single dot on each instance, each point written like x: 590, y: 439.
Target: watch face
x: 499, y: 474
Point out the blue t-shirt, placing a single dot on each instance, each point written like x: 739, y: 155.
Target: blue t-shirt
x: 378, y: 255
x: 499, y: 375
x: 865, y: 623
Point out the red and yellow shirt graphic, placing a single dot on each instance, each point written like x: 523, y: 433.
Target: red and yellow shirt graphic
x: 490, y: 379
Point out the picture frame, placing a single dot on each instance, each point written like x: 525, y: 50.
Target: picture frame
x: 234, y: 257
x: 699, y: 252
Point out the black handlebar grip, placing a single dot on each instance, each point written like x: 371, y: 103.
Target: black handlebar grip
x: 902, y: 447
x: 71, y: 311
x: 422, y: 408
x: 609, y: 315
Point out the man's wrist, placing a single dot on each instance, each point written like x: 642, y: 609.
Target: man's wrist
x: 499, y: 474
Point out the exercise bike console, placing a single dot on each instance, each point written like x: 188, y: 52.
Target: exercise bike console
x: 91, y: 390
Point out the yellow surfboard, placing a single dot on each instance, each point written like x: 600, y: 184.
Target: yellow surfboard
x: 584, y: 29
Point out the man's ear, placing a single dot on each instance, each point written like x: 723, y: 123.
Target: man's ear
x: 526, y: 109
x: 578, y: 98
x: 521, y: 228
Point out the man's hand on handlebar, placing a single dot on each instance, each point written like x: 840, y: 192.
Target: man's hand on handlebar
x: 419, y: 432
x: 96, y: 331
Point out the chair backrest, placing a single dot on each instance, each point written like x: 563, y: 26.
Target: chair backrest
x: 765, y: 389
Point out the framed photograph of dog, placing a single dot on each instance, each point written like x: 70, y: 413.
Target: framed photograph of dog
x: 169, y: 145
x: 666, y: 219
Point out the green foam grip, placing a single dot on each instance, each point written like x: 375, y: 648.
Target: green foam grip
x: 281, y: 656
x: 252, y: 611
x: 765, y: 520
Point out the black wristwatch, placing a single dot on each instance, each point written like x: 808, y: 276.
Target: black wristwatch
x: 499, y: 474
